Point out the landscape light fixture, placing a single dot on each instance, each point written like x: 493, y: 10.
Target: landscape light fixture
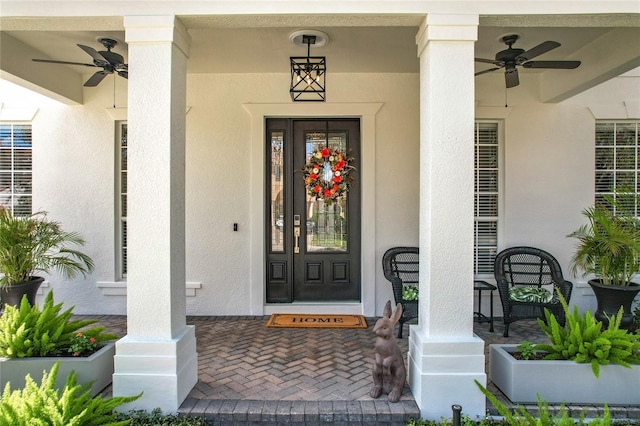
x: 308, y: 72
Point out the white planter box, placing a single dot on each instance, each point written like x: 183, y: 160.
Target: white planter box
x: 561, y: 381
x: 98, y: 368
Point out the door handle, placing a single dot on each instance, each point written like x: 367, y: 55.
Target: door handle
x: 296, y: 235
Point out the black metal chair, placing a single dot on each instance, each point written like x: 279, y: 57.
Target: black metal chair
x: 528, y: 267
x: 400, y: 266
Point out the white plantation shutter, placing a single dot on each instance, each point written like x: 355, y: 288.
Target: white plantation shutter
x: 616, y: 152
x: 487, y: 178
x: 121, y: 208
x: 16, y: 190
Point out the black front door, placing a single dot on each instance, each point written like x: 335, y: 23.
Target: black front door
x: 313, y: 247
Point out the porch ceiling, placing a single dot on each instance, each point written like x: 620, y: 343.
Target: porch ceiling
x: 369, y: 44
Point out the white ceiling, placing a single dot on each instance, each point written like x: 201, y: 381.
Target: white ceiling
x: 607, y: 45
x: 350, y: 49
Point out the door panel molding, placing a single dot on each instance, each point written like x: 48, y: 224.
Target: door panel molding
x: 314, y: 237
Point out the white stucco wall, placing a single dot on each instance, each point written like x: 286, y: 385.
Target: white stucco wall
x: 549, y: 162
x: 218, y: 138
x: 548, y: 170
x: 81, y: 169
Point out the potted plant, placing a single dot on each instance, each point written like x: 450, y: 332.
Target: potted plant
x: 49, y: 403
x: 33, y: 244
x: 583, y: 363
x: 33, y: 339
x: 609, y: 248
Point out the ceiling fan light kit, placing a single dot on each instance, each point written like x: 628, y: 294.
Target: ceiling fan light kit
x: 109, y: 61
x: 308, y: 73
x: 511, y: 58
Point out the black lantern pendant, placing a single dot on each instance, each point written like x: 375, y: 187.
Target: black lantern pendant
x: 308, y: 75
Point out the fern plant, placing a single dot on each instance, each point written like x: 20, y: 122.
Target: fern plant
x: 521, y: 417
x: 45, y: 405
x: 583, y: 340
x: 27, y: 331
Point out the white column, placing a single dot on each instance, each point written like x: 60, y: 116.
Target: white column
x: 445, y: 357
x: 158, y: 355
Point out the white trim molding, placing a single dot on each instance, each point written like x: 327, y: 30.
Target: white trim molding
x: 366, y: 111
x: 119, y: 288
x: 17, y: 114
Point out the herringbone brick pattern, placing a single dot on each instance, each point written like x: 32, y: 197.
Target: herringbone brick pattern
x: 242, y: 359
x: 251, y: 374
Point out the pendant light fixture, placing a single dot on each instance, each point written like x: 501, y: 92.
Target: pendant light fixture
x: 308, y: 72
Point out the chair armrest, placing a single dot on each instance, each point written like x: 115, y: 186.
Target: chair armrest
x: 396, y: 284
x: 566, y: 288
x: 503, y: 291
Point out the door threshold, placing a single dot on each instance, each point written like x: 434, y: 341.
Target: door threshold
x: 353, y: 308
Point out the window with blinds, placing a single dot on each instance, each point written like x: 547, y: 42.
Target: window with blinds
x: 121, y: 200
x: 486, y: 196
x: 616, y: 152
x: 15, y: 168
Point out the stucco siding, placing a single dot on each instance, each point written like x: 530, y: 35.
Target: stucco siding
x: 548, y: 174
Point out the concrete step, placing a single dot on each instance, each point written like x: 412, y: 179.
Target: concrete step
x: 247, y: 412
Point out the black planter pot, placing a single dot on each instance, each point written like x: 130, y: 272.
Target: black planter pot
x: 610, y: 298
x: 12, y: 295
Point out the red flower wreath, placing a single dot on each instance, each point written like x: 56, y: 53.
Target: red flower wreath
x: 326, y: 174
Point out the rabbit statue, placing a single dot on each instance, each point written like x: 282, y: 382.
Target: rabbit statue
x: 389, y: 372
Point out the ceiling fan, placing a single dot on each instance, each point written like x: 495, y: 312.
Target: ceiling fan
x: 512, y: 57
x: 109, y: 61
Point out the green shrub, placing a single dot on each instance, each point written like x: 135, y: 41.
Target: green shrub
x: 27, y: 331
x: 520, y: 416
x: 155, y: 417
x: 410, y: 292
x: 583, y: 340
x: 46, y: 406
x: 464, y: 421
x: 527, y: 349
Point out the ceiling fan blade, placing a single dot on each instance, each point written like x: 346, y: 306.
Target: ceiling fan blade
x: 101, y: 60
x: 124, y: 74
x: 96, y: 78
x: 62, y: 62
x: 486, y: 71
x: 563, y: 65
x: 538, y: 50
x: 488, y: 61
x: 511, y: 78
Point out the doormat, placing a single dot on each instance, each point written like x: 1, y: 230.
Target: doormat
x: 316, y: 321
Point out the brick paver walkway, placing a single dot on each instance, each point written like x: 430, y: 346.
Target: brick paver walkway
x: 249, y: 373
x: 242, y: 359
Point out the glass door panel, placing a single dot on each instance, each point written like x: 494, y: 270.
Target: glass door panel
x: 277, y: 191
x: 326, y: 224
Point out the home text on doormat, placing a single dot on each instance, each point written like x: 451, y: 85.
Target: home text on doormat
x: 316, y: 321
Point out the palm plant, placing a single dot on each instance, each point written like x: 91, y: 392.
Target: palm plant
x: 35, y: 244
x: 609, y: 244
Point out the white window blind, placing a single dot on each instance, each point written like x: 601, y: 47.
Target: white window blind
x: 16, y: 168
x: 616, y: 152
x: 121, y: 207
x: 487, y: 176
